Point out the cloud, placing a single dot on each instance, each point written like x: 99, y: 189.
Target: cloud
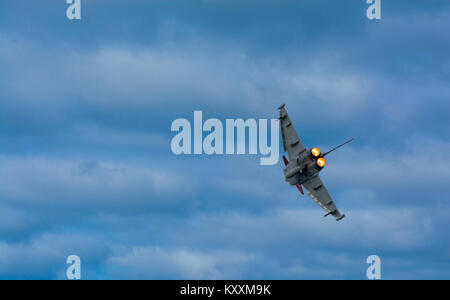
x: 229, y: 245
x: 151, y: 262
x: 385, y: 228
x: 284, y: 243
x: 92, y: 185
x: 85, y: 139
x: 13, y: 221
x: 45, y: 256
x: 401, y: 174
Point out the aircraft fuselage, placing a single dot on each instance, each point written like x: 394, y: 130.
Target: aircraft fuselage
x: 301, y: 169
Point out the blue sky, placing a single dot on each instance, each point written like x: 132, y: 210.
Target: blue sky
x: 86, y: 166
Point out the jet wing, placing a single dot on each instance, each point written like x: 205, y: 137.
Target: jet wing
x: 317, y: 191
x: 291, y: 142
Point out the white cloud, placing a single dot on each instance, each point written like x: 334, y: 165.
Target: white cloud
x: 154, y: 262
x: 45, y: 255
x: 414, y: 166
x: 72, y: 183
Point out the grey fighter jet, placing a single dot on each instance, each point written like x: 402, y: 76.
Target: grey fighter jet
x: 304, y: 165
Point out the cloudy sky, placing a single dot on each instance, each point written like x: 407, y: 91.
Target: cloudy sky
x: 86, y: 166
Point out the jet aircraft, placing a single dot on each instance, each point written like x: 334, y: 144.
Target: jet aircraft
x: 303, y: 166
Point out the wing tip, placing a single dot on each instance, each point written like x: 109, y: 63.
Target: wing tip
x: 340, y: 218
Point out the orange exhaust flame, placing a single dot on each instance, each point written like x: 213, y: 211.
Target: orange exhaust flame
x: 315, y: 152
x: 321, y: 162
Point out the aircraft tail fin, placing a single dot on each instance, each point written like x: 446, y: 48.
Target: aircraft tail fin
x: 299, y: 186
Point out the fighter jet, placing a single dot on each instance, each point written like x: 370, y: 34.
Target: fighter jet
x: 304, y: 165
